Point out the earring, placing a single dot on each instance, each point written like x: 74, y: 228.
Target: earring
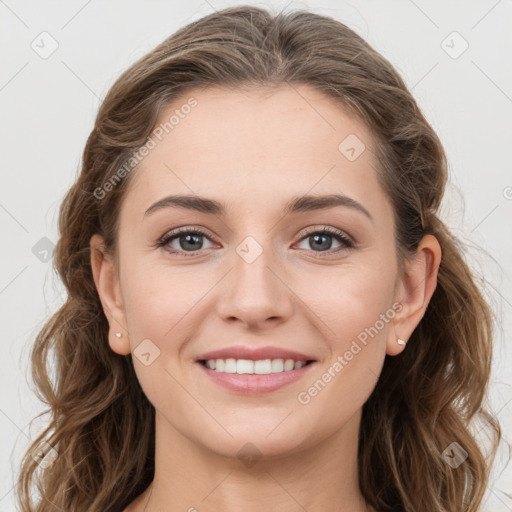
x: 401, y: 342
x: 118, y: 334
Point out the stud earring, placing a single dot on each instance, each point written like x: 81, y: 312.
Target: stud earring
x: 118, y: 334
x: 400, y: 341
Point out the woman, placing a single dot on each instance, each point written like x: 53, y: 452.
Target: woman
x: 265, y: 311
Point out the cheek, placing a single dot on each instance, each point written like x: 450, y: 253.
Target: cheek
x: 343, y: 301
x: 351, y: 300
x: 157, y: 297
x: 157, y: 301
x: 356, y: 313
x: 357, y: 349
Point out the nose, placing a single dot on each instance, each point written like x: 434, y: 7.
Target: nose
x: 255, y: 292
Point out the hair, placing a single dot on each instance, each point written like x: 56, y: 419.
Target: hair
x: 101, y: 423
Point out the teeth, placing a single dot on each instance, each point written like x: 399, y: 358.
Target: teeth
x: 277, y: 366
x: 242, y: 366
x: 260, y: 367
x: 229, y: 366
x: 263, y: 367
x: 289, y: 364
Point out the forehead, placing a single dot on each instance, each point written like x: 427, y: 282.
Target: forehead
x: 251, y: 146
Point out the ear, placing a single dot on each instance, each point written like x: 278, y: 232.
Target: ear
x: 106, y: 280
x: 414, y: 291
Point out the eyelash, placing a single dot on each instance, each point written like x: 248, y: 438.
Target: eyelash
x: 326, y: 230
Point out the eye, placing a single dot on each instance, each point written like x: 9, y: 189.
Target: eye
x: 190, y: 241
x: 320, y: 240
x: 187, y: 240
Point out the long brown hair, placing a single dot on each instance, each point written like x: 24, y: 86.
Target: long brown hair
x: 102, y: 425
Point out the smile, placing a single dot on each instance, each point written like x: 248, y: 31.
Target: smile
x: 248, y: 377
x: 259, y: 367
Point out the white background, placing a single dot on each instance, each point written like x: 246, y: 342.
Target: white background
x: 48, y: 108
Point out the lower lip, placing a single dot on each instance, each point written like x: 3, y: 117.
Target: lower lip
x: 255, y: 384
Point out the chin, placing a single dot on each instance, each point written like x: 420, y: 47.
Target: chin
x: 248, y: 443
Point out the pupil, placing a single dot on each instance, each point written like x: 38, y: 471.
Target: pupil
x: 192, y: 239
x: 318, y: 238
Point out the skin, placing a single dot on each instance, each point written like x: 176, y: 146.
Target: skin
x: 254, y: 150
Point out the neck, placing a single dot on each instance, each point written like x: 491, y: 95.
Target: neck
x: 189, y: 477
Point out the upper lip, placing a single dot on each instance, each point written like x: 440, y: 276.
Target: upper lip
x: 255, y: 354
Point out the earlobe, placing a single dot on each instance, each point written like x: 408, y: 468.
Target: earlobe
x: 107, y: 286
x: 416, y: 287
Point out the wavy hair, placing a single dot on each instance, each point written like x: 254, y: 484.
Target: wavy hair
x: 95, y: 404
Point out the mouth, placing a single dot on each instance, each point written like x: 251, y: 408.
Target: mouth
x: 254, y: 377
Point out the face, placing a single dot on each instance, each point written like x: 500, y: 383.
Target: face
x: 264, y: 267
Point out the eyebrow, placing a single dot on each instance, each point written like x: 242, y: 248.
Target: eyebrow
x: 295, y: 205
